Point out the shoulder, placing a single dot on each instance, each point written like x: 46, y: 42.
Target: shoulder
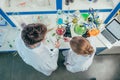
x: 19, y: 43
x: 92, y: 41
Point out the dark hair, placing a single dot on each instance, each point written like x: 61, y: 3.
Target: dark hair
x: 81, y: 45
x: 33, y: 33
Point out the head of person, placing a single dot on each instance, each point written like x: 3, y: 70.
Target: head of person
x: 81, y: 46
x: 33, y: 33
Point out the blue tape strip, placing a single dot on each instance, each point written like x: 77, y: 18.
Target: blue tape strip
x: 31, y: 13
x: 7, y: 18
x: 86, y: 11
x: 114, y: 11
x: 54, y: 12
x: 58, y: 4
x: 12, y: 51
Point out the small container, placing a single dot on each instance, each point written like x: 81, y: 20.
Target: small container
x: 59, y: 17
x: 60, y: 30
x: 80, y: 29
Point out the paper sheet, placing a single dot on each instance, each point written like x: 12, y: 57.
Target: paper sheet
x: 3, y: 33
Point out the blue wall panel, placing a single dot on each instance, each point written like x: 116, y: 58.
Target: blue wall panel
x: 7, y: 18
x: 114, y: 11
x: 58, y: 4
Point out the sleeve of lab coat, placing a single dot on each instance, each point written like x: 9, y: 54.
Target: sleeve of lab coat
x: 69, y: 59
x: 52, y: 64
x: 54, y: 54
x: 49, y: 62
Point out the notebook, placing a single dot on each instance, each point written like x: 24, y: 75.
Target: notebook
x: 111, y: 34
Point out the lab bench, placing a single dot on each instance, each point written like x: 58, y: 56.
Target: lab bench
x: 24, y: 12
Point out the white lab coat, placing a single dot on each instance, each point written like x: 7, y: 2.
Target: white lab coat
x: 41, y: 58
x: 75, y: 63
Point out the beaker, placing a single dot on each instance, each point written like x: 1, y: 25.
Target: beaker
x: 60, y: 30
x: 80, y: 29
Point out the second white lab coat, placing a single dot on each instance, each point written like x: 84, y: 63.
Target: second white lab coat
x: 75, y: 63
x: 40, y: 58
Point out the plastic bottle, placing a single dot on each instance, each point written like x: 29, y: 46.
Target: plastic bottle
x: 59, y: 17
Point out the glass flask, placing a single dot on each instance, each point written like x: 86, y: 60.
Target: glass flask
x: 80, y: 29
x: 60, y: 30
x: 59, y: 17
x: 85, y: 16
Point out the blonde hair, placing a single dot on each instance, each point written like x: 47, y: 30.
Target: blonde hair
x: 81, y: 46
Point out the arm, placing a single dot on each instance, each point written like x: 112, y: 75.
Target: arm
x: 67, y: 39
x: 69, y: 59
x: 51, y: 65
x: 54, y: 53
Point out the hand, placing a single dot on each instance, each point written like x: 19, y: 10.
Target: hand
x: 66, y: 63
x: 57, y: 44
x: 67, y: 39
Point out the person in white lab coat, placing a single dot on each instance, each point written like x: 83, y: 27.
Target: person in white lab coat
x: 81, y: 54
x: 31, y: 48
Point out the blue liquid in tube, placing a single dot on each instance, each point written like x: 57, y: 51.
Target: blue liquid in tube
x: 60, y: 21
